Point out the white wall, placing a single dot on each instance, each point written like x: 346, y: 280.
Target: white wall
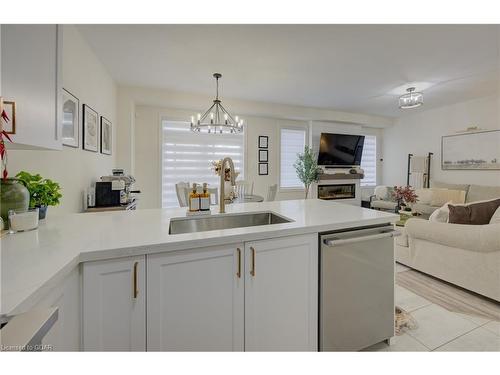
x: 420, y: 132
x: 74, y: 169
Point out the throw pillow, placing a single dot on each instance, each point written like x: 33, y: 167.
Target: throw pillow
x: 441, y: 196
x: 441, y: 214
x: 474, y: 213
x: 495, y: 219
x: 424, y: 196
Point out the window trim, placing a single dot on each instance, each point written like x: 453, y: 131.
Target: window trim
x: 304, y: 128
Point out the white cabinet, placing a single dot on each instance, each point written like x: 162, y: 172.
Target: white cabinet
x: 196, y: 300
x: 114, y: 305
x: 281, y: 294
x: 66, y: 296
x: 31, y: 62
x: 256, y: 296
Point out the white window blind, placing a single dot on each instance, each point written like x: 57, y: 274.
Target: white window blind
x: 187, y: 156
x: 292, y: 142
x: 369, y: 161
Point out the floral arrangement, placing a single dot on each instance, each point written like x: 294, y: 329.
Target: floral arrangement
x: 216, y: 167
x: 404, y: 195
x: 3, y: 150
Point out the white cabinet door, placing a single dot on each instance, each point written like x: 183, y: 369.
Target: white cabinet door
x: 281, y: 294
x: 195, y: 300
x: 114, y: 302
x: 31, y: 77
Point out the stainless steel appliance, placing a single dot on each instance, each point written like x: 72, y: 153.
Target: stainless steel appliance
x: 114, y: 192
x: 356, y: 288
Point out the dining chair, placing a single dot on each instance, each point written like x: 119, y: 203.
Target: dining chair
x: 181, y: 189
x: 271, y: 192
x: 243, y: 188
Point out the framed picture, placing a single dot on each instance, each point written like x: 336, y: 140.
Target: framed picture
x: 263, y: 141
x: 472, y: 151
x: 10, y: 109
x: 70, y: 120
x: 263, y: 156
x: 90, y: 129
x: 106, y: 136
x: 263, y: 169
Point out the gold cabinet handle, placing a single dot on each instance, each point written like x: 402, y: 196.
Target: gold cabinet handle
x: 135, y: 291
x: 252, y: 270
x: 239, y: 263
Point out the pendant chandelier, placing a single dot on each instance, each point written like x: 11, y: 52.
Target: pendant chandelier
x: 216, y: 119
x: 411, y: 99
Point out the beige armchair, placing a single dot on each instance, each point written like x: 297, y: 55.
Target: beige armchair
x: 382, y: 199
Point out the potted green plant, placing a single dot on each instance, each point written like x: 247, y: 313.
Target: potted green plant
x: 43, y: 192
x: 307, y: 168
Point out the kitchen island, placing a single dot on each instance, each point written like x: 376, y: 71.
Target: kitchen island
x: 126, y: 272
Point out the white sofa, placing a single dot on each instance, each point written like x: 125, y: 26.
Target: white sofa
x: 464, y: 255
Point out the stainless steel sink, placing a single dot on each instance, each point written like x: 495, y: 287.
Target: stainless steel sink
x: 201, y: 224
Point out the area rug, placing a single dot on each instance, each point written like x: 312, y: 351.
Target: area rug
x: 448, y: 296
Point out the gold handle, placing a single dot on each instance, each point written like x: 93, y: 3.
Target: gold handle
x: 135, y: 291
x: 252, y: 271
x: 239, y: 263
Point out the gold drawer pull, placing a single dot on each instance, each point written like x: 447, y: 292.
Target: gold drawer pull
x: 252, y: 271
x: 135, y: 291
x: 239, y: 263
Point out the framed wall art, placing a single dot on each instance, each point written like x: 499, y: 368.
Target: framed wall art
x: 263, y: 141
x: 90, y: 129
x: 472, y: 151
x: 263, y: 156
x: 70, y: 120
x: 106, y: 136
x: 263, y: 169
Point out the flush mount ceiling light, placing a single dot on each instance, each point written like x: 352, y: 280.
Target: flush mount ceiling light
x: 216, y: 119
x: 411, y: 99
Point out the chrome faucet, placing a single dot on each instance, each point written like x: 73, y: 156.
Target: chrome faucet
x: 222, y: 204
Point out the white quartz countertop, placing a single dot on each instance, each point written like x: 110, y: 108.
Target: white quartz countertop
x: 33, y: 262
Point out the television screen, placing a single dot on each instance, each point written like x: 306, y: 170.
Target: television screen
x: 340, y: 149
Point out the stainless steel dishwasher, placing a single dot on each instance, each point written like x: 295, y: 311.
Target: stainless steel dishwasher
x: 356, y: 288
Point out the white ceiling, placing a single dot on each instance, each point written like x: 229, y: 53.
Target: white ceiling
x: 343, y: 67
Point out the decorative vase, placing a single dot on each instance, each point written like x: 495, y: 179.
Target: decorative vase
x: 13, y: 196
x: 42, y: 212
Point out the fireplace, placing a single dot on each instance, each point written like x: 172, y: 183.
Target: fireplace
x: 337, y: 191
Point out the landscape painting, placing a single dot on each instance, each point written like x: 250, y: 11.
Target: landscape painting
x: 479, y: 150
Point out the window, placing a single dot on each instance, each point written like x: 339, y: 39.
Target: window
x: 369, y: 161
x: 187, y: 156
x: 292, y: 143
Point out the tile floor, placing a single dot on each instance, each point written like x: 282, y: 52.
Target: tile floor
x: 439, y: 329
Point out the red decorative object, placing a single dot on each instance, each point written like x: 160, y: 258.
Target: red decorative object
x: 405, y: 194
x: 3, y: 150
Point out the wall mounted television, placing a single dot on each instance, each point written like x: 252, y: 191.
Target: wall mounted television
x: 340, y: 150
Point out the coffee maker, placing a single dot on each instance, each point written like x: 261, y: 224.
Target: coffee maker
x: 116, y: 190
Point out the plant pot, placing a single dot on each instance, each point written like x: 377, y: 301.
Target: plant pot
x: 42, y: 212
x: 13, y: 196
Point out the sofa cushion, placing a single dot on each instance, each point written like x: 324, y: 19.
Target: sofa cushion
x: 474, y: 213
x: 495, y: 219
x: 384, y: 193
x: 441, y: 196
x: 424, y: 196
x: 425, y: 209
x: 479, y: 193
x: 444, y: 185
x: 385, y: 205
x: 441, y: 214
x: 480, y: 238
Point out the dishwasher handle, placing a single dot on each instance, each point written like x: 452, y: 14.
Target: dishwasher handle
x: 338, y: 242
